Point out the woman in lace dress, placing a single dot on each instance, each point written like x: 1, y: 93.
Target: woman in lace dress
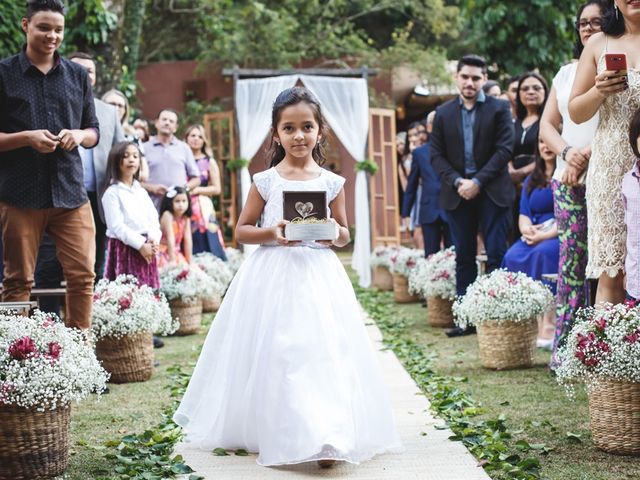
x: 615, y: 95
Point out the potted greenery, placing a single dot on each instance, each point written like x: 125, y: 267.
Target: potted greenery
x: 44, y: 367
x: 184, y: 286
x: 504, y: 307
x: 219, y: 272
x: 602, y: 351
x: 380, y: 262
x: 402, y: 262
x: 125, y: 316
x: 434, y: 278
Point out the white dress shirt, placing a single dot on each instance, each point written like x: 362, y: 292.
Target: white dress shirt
x: 130, y: 214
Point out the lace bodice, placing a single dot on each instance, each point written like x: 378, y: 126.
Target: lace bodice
x: 611, y: 158
x: 270, y: 186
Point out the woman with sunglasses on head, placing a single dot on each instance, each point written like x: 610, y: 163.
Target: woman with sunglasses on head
x: 573, y: 150
x: 614, y: 93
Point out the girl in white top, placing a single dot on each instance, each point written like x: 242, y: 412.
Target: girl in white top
x: 133, y: 229
x: 287, y: 369
x: 573, y: 150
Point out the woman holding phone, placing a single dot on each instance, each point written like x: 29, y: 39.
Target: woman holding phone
x: 614, y: 93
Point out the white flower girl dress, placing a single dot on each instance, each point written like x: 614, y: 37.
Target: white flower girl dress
x: 287, y: 369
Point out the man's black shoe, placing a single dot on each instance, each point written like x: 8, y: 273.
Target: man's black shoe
x: 157, y: 342
x: 460, y: 332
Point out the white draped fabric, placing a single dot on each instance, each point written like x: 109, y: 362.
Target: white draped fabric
x: 345, y: 104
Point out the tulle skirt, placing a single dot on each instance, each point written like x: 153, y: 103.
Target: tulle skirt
x: 287, y: 369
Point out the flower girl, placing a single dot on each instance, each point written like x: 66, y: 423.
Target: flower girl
x: 133, y: 230
x: 287, y: 369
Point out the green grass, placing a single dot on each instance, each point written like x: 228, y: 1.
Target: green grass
x: 129, y: 408
x: 531, y: 400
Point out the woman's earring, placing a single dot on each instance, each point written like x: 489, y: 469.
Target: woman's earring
x: 616, y: 9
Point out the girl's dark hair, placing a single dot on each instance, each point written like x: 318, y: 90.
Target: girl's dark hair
x: 116, y: 155
x: 634, y: 133
x: 35, y: 6
x: 611, y: 24
x: 287, y: 98
x: 167, y: 202
x: 521, y: 110
x: 538, y: 178
x: 602, y: 5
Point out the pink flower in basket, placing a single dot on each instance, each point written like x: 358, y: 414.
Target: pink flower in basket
x: 411, y: 263
x: 182, y: 275
x: 6, y: 388
x: 49, y: 321
x: 124, y: 303
x: 23, y: 348
x: 53, y: 352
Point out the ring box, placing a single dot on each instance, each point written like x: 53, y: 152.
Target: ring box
x: 307, y: 213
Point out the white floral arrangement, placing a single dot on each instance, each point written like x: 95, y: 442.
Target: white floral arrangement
x: 404, y: 260
x: 186, y: 282
x: 435, y: 276
x: 123, y: 307
x: 604, y: 342
x: 235, y: 258
x: 217, y: 269
x: 380, y: 257
x: 45, y: 365
x: 502, y: 296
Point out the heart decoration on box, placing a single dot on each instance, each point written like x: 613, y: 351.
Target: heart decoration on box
x: 304, y: 209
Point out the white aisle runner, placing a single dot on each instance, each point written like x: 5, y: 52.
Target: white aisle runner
x: 426, y: 457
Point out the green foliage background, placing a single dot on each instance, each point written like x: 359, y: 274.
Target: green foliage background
x: 514, y: 35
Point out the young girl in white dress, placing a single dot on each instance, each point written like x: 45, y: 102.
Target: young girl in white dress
x: 287, y: 369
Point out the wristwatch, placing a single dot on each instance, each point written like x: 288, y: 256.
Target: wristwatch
x: 563, y: 155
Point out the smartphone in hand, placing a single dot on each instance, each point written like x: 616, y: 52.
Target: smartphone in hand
x: 616, y: 62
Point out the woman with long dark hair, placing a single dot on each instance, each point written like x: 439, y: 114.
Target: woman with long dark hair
x: 573, y: 150
x: 615, y: 95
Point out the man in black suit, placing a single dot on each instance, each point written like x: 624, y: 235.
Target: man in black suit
x: 433, y: 220
x: 471, y: 144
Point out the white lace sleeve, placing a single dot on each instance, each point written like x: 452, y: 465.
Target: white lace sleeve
x: 262, y: 180
x: 334, y: 185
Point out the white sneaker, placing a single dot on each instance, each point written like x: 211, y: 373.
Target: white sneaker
x: 545, y: 344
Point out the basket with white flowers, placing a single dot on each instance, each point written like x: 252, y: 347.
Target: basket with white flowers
x: 184, y: 286
x: 603, y: 352
x: 235, y: 258
x: 124, y: 317
x: 402, y: 262
x: 434, y: 278
x: 504, y: 307
x: 380, y: 262
x: 219, y: 271
x: 44, y: 367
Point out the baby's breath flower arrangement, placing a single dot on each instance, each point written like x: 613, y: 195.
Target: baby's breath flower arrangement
x: 380, y: 257
x: 123, y: 307
x: 435, y: 276
x: 502, y: 296
x: 603, y: 343
x: 45, y: 365
x: 404, y: 260
x: 187, y: 283
x: 217, y: 269
x: 235, y: 258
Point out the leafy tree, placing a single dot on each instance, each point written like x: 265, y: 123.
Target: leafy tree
x: 520, y: 35
x: 11, y: 36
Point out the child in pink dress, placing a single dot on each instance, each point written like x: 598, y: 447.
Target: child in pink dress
x: 176, y: 244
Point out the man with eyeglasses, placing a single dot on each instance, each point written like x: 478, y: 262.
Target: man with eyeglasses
x: 471, y: 144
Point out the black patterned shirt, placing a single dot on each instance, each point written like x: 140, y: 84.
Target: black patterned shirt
x: 31, y: 100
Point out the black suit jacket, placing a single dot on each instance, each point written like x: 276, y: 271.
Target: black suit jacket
x: 493, y: 137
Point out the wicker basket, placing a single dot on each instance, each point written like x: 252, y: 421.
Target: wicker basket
x: 188, y: 314
x: 382, y: 279
x: 439, y: 312
x: 127, y: 359
x: 401, y: 290
x: 33, y: 444
x: 210, y: 304
x: 614, y: 410
x: 506, y: 345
